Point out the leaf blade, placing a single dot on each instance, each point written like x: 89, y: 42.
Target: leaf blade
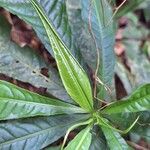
x: 73, y: 76
x: 99, y: 15
x: 19, y: 103
x: 35, y: 133
x: 82, y: 140
x: 138, y: 101
x: 114, y: 139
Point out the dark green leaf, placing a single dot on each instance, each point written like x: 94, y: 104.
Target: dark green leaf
x: 118, y: 120
x: 82, y: 140
x: 114, y: 140
x: 19, y: 103
x: 73, y: 76
x: 138, y: 101
x: 102, y: 29
x: 35, y: 133
x: 25, y: 65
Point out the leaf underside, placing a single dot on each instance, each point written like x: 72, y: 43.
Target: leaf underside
x: 99, y: 14
x: 35, y: 133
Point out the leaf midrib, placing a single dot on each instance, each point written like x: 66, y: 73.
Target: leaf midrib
x: 78, y: 83
x: 54, y: 33
x: 82, y: 140
x: 28, y: 102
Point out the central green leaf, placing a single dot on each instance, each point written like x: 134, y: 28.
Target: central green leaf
x: 73, y: 76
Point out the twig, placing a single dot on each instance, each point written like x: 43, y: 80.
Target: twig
x: 143, y: 124
x: 97, y: 49
x: 116, y: 10
x: 101, y: 100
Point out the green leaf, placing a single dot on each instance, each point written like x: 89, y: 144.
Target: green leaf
x: 102, y: 29
x: 73, y: 76
x: 114, y: 139
x: 82, y: 140
x: 56, y: 12
x: 138, y: 101
x: 25, y: 65
x: 118, y: 120
x: 18, y: 103
x: 35, y: 133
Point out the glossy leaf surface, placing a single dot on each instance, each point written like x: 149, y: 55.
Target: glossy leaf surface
x: 73, y: 76
x: 138, y: 101
x: 35, y: 133
x: 82, y: 140
x: 19, y: 103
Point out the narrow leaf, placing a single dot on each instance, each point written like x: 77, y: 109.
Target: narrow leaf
x: 73, y: 76
x: 19, y: 103
x: 82, y: 140
x: 138, y: 101
x: 35, y: 133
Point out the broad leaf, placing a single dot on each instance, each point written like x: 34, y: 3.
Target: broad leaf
x: 25, y: 65
x: 138, y: 101
x: 19, y: 103
x: 82, y: 140
x: 56, y: 12
x: 73, y: 76
x: 114, y: 140
x: 35, y: 133
x: 102, y: 29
